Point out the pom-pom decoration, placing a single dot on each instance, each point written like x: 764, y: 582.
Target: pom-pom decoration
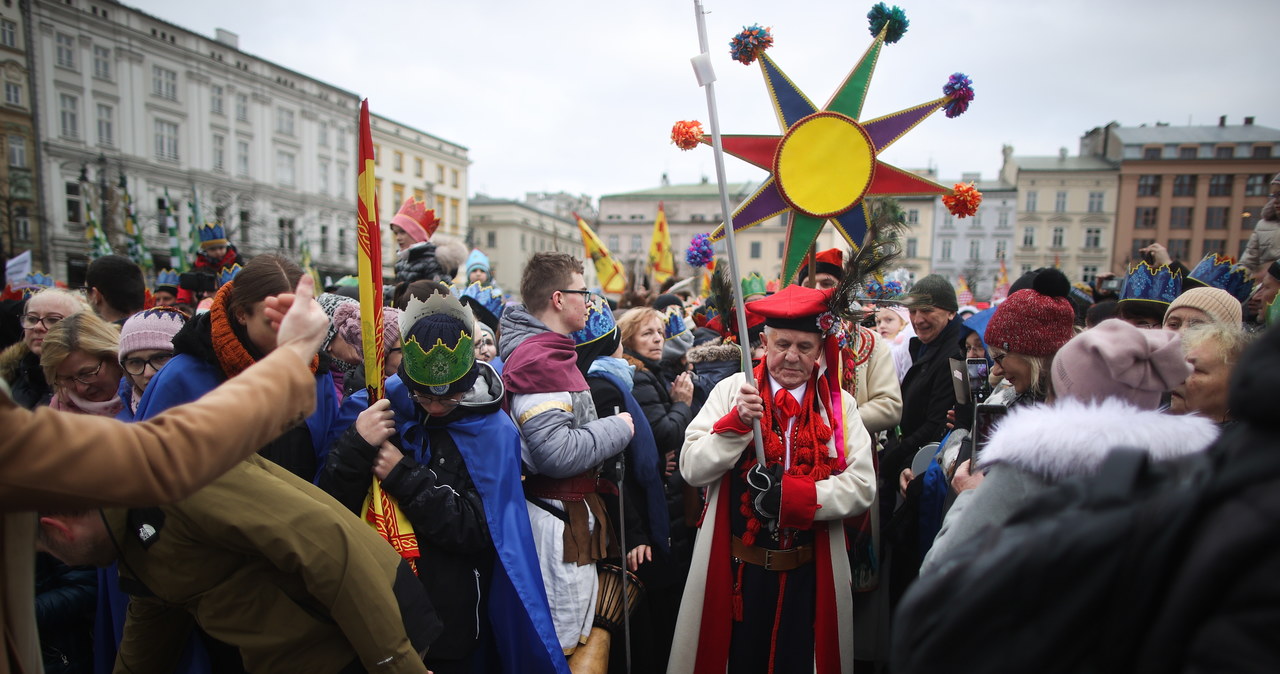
x: 700, y: 252
x: 746, y: 46
x: 893, y: 21
x: 687, y: 135
x: 963, y: 200
x: 959, y: 91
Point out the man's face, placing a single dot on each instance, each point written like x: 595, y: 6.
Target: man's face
x: 574, y: 305
x: 164, y: 298
x: 929, y: 322
x: 825, y: 281
x: 79, y: 539
x: 790, y: 354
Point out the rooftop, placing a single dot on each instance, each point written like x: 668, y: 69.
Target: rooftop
x: 1241, y: 133
x: 687, y: 191
x: 1058, y: 163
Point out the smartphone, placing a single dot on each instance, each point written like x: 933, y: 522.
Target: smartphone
x: 1112, y: 284
x: 984, y: 421
x: 976, y: 369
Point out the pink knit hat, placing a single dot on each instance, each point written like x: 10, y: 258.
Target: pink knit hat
x: 1117, y: 360
x: 1034, y: 321
x: 150, y: 329
x: 346, y: 321
x: 418, y: 221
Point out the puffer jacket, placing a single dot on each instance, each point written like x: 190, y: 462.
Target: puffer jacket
x: 1264, y: 243
x: 667, y: 417
x: 419, y: 262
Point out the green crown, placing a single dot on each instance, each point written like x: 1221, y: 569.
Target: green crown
x: 441, y: 365
x: 753, y: 285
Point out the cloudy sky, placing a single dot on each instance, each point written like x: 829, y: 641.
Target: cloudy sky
x: 580, y: 95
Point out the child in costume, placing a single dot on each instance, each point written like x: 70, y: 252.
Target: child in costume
x: 216, y: 251
x: 413, y: 227
x: 1264, y: 244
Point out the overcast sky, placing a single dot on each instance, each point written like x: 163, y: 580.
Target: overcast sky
x: 580, y: 95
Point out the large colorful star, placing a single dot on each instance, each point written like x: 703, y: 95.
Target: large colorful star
x: 825, y: 162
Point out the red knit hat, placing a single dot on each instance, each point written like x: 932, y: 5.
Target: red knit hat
x: 1035, y: 321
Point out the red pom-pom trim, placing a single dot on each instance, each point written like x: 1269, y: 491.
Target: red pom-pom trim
x: 687, y: 135
x: 963, y: 200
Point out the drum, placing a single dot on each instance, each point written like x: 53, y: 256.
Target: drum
x: 612, y: 607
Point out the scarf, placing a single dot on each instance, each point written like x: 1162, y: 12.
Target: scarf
x: 624, y: 371
x: 233, y: 356
x: 67, y: 401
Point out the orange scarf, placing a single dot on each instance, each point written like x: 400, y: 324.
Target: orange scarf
x: 233, y: 358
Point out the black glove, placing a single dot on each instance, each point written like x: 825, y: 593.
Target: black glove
x: 766, y: 489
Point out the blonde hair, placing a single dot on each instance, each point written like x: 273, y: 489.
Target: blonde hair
x: 82, y: 331
x: 74, y: 297
x: 1041, y: 383
x: 1229, y: 339
x: 632, y: 321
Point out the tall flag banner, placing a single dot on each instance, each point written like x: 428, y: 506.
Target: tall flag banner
x: 612, y: 275
x: 137, y: 246
x: 1002, y: 283
x: 98, y: 244
x: 195, y: 222
x: 305, y: 262
x: 176, y: 259
x: 963, y: 295
x: 661, y: 259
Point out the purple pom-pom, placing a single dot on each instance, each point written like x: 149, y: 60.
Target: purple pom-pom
x: 959, y: 89
x: 700, y: 252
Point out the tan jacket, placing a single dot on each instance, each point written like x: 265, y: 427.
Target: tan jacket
x: 878, y: 394
x: 51, y: 459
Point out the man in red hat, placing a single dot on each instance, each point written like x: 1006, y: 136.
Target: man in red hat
x: 769, y: 580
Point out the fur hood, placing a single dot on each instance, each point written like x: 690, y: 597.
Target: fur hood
x: 1071, y: 438
x: 713, y: 353
x: 11, y: 358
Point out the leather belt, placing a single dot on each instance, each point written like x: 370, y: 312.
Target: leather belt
x: 567, y: 489
x: 772, y: 560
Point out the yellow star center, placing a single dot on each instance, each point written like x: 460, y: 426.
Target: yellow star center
x: 824, y: 164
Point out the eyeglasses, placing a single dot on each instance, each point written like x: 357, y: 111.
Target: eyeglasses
x: 31, y: 320
x: 85, y: 378
x: 136, y: 366
x: 586, y: 294
x: 424, y: 400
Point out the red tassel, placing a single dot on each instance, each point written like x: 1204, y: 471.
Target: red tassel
x: 737, y: 595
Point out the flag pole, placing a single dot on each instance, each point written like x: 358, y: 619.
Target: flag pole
x: 706, y: 78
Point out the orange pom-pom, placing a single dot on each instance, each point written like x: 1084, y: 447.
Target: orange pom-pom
x: 687, y: 135
x: 963, y: 200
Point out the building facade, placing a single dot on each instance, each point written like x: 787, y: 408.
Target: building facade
x: 1195, y: 189
x: 511, y: 231
x: 19, y: 219
x: 1066, y: 213
x: 973, y: 247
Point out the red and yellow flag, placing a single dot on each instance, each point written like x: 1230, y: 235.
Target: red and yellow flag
x: 613, y: 278
x: 661, y: 259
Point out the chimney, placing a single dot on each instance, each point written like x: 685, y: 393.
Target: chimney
x: 1248, y: 121
x: 1062, y: 154
x: 972, y: 177
x: 665, y: 180
x: 1222, y: 121
x: 227, y: 37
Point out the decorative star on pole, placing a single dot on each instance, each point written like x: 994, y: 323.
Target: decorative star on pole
x: 825, y: 162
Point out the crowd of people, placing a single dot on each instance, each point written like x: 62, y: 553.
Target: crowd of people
x: 554, y: 481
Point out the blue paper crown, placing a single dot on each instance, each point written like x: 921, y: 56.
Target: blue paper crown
x: 674, y: 321
x: 1224, y: 273
x: 227, y: 274
x: 487, y: 296
x: 213, y: 234
x: 34, y: 282
x: 888, y: 290
x: 167, y: 278
x: 1148, y: 284
x: 599, y: 323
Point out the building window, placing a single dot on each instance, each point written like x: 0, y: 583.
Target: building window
x: 324, y: 239
x: 1180, y: 217
x: 285, y: 233
x: 1220, y: 185
x: 453, y: 173
x: 69, y: 115
x: 22, y: 224
x: 285, y: 168
x: 1184, y: 186
x: 164, y: 83
x: 284, y: 122
x: 1060, y: 202
x: 1002, y: 247
x: 975, y: 249
x: 417, y: 167
x: 1093, y: 237
x: 1089, y: 273
x: 1028, y: 237
x: 1003, y: 219
x: 1215, y: 217
x: 912, y: 248
x: 913, y: 217
x: 342, y: 242
x: 755, y: 250
x: 946, y: 249
x: 106, y: 125
x: 1188, y: 152
x: 1150, y: 153
x: 397, y: 194
x: 453, y: 213
x: 1261, y: 151
x: 242, y: 158
x: 1224, y: 152
x: 397, y: 162
x: 613, y: 243
x: 1148, y: 186
x: 9, y: 33
x: 324, y: 177
x: 166, y: 140
x: 1145, y: 217
x: 342, y: 180
x: 73, y: 201
x: 439, y: 174
x: 324, y: 134
x: 242, y: 107
x: 219, y: 152
x: 342, y: 138
x: 1031, y: 202
x: 101, y: 62
x: 782, y: 249
x: 636, y: 243
x: 1254, y: 186
x: 491, y: 239
x: 1212, y: 246
x: 1179, y: 249
x: 215, y: 100
x: 66, y: 56
x: 1058, y: 235
x: 1095, y: 202
x: 17, y: 151
x: 13, y: 93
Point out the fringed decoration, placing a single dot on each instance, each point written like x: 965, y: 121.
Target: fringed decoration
x: 687, y: 134
x: 882, y: 16
x: 700, y: 252
x: 963, y: 200
x: 746, y: 46
x: 959, y: 89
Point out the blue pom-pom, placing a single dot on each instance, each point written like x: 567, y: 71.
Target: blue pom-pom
x: 750, y: 43
x: 881, y: 16
x: 700, y: 252
x: 959, y: 89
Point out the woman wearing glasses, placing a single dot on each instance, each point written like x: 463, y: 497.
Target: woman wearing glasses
x: 20, y: 363
x: 79, y: 358
x: 146, y: 345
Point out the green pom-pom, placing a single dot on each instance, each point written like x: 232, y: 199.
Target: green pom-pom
x: 893, y: 21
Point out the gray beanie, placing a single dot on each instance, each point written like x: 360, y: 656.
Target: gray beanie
x: 933, y: 291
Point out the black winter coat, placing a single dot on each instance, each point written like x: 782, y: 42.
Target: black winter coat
x: 30, y: 390
x: 668, y: 419
x: 927, y: 394
x: 66, y: 597
x: 442, y: 503
x: 420, y: 263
